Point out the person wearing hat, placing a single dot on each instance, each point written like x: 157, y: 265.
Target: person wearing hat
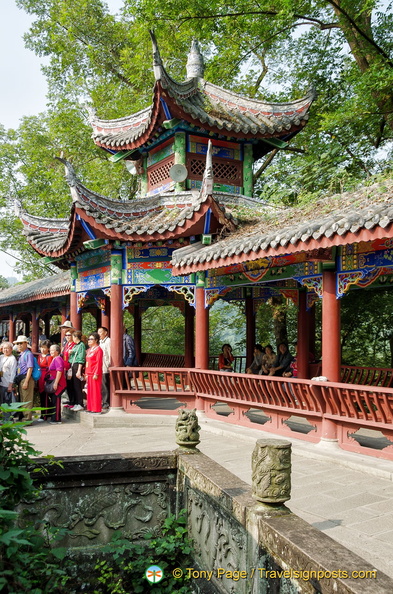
x: 24, y: 378
x: 67, y: 324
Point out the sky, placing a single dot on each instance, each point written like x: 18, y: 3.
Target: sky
x: 24, y: 87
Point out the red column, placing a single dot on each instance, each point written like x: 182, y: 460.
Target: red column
x: 75, y: 317
x: 105, y: 318
x: 311, y: 330
x: 116, y: 324
x: 302, y: 338
x: 138, y: 332
x: 35, y: 330
x: 63, y: 319
x: 331, y: 345
x: 250, y: 330
x: 11, y: 329
x: 201, y: 331
x: 47, y: 326
x: 189, y: 315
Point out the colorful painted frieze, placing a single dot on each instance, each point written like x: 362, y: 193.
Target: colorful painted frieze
x: 221, y: 148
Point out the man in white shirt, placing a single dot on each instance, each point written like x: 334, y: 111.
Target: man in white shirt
x: 105, y: 344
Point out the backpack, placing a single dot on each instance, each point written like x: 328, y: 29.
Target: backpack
x: 36, y: 374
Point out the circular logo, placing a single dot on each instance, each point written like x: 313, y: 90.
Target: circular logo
x: 154, y: 574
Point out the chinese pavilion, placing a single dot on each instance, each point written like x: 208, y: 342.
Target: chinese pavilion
x: 194, y: 234
x: 193, y: 151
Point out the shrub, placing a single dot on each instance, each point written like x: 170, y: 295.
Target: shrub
x: 28, y: 560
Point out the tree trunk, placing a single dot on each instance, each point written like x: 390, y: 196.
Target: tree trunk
x: 279, y: 313
x: 366, y: 53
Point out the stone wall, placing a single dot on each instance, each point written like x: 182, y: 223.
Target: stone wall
x: 92, y: 496
x: 240, y: 546
x: 251, y: 548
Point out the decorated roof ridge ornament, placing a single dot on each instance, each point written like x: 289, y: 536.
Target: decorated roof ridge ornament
x: 195, y: 62
x: 91, y: 112
x: 35, y: 220
x: 207, y: 182
x: 70, y: 175
x: 157, y: 61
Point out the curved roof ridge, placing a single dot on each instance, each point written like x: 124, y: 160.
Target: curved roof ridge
x: 303, y: 102
x: 39, y: 221
x: 128, y: 121
x: 56, y: 283
x: 366, y: 212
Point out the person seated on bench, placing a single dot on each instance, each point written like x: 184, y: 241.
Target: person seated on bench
x: 283, y: 360
x: 256, y: 365
x: 267, y: 360
x: 225, y: 358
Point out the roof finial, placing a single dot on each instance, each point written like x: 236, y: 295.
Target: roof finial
x: 195, y: 64
x: 208, y: 178
x: 70, y: 174
x: 157, y: 62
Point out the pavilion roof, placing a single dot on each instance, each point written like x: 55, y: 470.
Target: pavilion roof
x: 166, y: 216
x: 203, y: 104
x: 351, y: 217
x: 51, y: 286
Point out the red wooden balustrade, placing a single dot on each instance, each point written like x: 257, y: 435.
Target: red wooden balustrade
x: 239, y: 363
x: 363, y: 376
x: 346, y: 407
x: 141, y: 382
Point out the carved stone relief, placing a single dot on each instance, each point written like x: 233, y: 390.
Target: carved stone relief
x: 93, y: 513
x: 219, y: 541
x: 271, y: 471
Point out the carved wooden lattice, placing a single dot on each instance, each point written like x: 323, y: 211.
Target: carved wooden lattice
x: 159, y: 174
x: 229, y: 172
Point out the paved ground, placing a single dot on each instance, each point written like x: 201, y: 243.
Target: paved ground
x: 345, y: 495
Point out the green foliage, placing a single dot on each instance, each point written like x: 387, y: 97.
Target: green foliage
x: 366, y: 328
x: 29, y: 561
x: 227, y: 324
x: 123, y: 570
x: 163, y: 331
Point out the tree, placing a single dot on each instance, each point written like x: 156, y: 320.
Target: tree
x: 4, y: 284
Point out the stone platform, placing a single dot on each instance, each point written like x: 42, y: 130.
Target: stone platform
x: 345, y: 495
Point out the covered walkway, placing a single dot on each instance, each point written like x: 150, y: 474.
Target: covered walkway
x: 315, y: 411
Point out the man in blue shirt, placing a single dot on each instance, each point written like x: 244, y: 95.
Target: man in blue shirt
x: 24, y: 375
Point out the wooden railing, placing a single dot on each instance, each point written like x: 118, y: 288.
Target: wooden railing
x: 133, y: 384
x: 326, y: 408
x: 362, y: 376
x: 162, y: 360
x: 367, y: 376
x: 239, y: 363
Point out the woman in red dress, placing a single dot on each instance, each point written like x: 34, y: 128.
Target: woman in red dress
x: 44, y: 360
x: 93, y: 368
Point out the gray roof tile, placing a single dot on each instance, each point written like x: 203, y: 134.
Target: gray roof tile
x: 364, y: 208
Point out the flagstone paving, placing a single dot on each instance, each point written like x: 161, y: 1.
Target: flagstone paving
x: 347, y: 496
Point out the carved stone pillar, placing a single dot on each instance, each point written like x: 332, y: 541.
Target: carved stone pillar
x: 271, y: 471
